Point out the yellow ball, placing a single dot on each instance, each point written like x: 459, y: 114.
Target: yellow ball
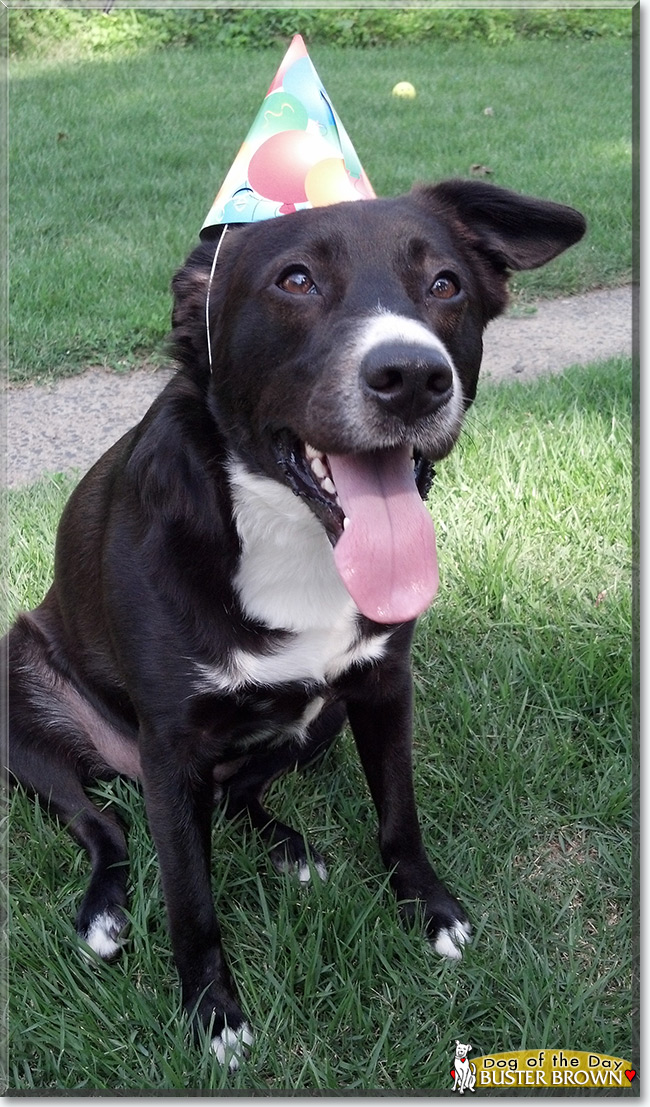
x: 405, y: 90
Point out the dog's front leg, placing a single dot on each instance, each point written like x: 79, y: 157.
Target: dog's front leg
x: 179, y: 802
x: 381, y: 722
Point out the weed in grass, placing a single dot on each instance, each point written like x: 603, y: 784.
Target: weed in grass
x: 523, y: 769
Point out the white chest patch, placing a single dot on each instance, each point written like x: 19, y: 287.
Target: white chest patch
x: 287, y: 580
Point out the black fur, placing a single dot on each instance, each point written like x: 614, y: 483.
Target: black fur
x: 103, y: 674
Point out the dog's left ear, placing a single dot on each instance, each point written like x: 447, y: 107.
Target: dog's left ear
x: 511, y: 231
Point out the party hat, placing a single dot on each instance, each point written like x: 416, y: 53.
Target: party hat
x: 296, y: 155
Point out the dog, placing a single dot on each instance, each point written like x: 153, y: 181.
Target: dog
x: 241, y: 572
x: 464, y: 1071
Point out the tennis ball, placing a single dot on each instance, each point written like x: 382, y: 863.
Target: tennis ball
x: 405, y: 90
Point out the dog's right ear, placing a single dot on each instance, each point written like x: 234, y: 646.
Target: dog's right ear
x: 190, y: 291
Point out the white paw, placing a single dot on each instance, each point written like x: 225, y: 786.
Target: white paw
x: 305, y: 872
x: 230, y: 1045
x: 103, y: 934
x: 450, y: 940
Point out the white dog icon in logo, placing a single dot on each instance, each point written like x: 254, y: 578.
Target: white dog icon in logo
x: 463, y: 1072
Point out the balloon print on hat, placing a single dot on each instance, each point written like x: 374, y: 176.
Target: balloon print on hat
x: 297, y: 153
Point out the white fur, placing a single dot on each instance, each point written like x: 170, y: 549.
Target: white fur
x: 101, y: 935
x: 286, y: 576
x: 287, y: 580
x: 385, y: 326
x: 311, y: 712
x: 232, y: 1044
x: 304, y: 872
x: 450, y: 941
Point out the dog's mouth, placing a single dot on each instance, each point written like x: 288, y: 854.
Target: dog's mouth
x: 371, y: 507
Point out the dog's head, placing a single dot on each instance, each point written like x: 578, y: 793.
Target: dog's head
x: 346, y: 344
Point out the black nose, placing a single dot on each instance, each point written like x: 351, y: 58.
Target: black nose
x: 409, y: 381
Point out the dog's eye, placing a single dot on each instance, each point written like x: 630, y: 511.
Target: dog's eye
x: 298, y: 282
x: 445, y: 286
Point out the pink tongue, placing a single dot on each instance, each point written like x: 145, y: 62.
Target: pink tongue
x: 386, y: 555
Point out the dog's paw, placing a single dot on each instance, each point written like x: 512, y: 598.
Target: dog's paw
x: 447, y: 926
x: 302, y: 869
x: 104, y: 933
x: 305, y: 870
x: 445, y: 923
x: 299, y: 862
x: 315, y: 865
x: 450, y: 940
x: 230, y: 1046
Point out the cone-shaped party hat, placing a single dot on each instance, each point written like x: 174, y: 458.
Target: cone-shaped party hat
x: 296, y: 155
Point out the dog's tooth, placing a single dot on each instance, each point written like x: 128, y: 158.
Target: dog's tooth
x: 328, y: 486
x: 311, y: 452
x: 346, y: 522
x: 318, y: 468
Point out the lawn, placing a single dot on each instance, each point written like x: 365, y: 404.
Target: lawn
x: 526, y: 778
x: 115, y: 162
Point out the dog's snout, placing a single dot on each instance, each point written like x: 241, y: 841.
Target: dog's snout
x: 408, y: 381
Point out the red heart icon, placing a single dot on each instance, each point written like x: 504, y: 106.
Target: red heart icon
x: 453, y: 1074
x: 630, y: 1073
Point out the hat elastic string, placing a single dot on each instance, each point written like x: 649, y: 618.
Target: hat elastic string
x: 207, y: 299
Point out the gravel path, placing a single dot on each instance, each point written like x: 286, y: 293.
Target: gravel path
x: 66, y: 426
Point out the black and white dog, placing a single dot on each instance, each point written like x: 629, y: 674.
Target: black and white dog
x: 241, y: 572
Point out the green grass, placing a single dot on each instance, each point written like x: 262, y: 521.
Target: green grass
x: 114, y: 164
x: 525, y: 773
